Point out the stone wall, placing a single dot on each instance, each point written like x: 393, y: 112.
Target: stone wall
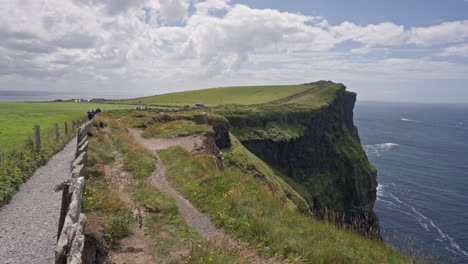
x: 71, y: 235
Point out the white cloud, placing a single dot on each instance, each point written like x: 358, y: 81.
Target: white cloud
x: 113, y: 7
x: 460, y: 50
x: 223, y: 44
x: 103, y: 40
x: 380, y: 34
x: 444, y: 33
x: 390, y: 34
x: 173, y: 10
x: 212, y: 5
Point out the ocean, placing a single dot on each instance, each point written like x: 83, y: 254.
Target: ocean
x: 421, y: 153
x: 39, y: 96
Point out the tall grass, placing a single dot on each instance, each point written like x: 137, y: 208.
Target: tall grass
x: 251, y: 212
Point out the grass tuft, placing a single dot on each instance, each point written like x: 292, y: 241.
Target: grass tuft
x: 154, y: 199
x: 175, y: 129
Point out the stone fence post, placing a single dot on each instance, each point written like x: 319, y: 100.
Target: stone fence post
x: 72, y: 223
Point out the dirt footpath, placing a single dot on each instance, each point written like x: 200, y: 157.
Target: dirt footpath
x: 191, y: 215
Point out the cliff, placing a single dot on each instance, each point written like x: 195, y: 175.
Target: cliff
x: 315, y: 146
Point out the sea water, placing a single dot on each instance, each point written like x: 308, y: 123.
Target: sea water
x: 42, y: 96
x: 421, y: 153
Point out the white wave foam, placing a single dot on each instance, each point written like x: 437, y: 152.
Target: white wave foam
x: 428, y: 225
x: 385, y: 201
x: 442, y: 234
x: 456, y: 246
x: 378, y: 149
x: 418, y: 219
x: 409, y: 120
x: 379, y: 190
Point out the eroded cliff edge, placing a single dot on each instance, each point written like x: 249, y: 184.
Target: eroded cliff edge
x: 316, y: 149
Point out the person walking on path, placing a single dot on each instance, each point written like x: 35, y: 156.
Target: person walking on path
x: 90, y: 114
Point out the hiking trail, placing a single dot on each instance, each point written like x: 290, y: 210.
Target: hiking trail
x: 29, y: 222
x: 194, y: 218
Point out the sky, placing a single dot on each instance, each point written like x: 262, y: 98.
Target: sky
x: 399, y: 50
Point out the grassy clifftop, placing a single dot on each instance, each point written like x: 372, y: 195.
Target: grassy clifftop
x: 284, y: 119
x: 256, y: 112
x: 224, y: 96
x: 248, y: 200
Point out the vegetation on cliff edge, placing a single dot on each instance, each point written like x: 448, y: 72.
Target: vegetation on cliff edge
x: 252, y: 212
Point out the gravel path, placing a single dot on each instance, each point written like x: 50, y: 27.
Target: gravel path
x: 192, y: 216
x: 29, y: 223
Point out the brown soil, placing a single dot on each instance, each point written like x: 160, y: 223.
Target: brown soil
x: 192, y: 216
x: 134, y: 248
x: 189, y: 143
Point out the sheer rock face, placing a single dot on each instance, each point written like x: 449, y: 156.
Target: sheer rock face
x: 328, y: 165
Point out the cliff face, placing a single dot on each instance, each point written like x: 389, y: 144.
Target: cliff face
x: 327, y: 164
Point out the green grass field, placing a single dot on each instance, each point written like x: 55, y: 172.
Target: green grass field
x: 223, y: 96
x: 17, y: 119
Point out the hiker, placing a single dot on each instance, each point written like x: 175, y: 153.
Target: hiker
x: 90, y: 114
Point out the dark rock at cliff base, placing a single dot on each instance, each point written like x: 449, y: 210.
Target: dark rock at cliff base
x: 327, y: 165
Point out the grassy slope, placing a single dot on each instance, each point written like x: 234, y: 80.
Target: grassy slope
x: 248, y: 210
x: 223, y: 96
x: 172, y: 240
x: 18, y: 118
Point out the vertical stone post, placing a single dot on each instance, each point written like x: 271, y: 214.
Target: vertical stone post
x: 66, y: 128
x: 64, y: 208
x: 57, y: 132
x: 37, y: 137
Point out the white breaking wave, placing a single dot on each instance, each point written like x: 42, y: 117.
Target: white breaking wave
x: 379, y: 190
x: 426, y: 223
x: 409, y: 120
x: 378, y: 149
